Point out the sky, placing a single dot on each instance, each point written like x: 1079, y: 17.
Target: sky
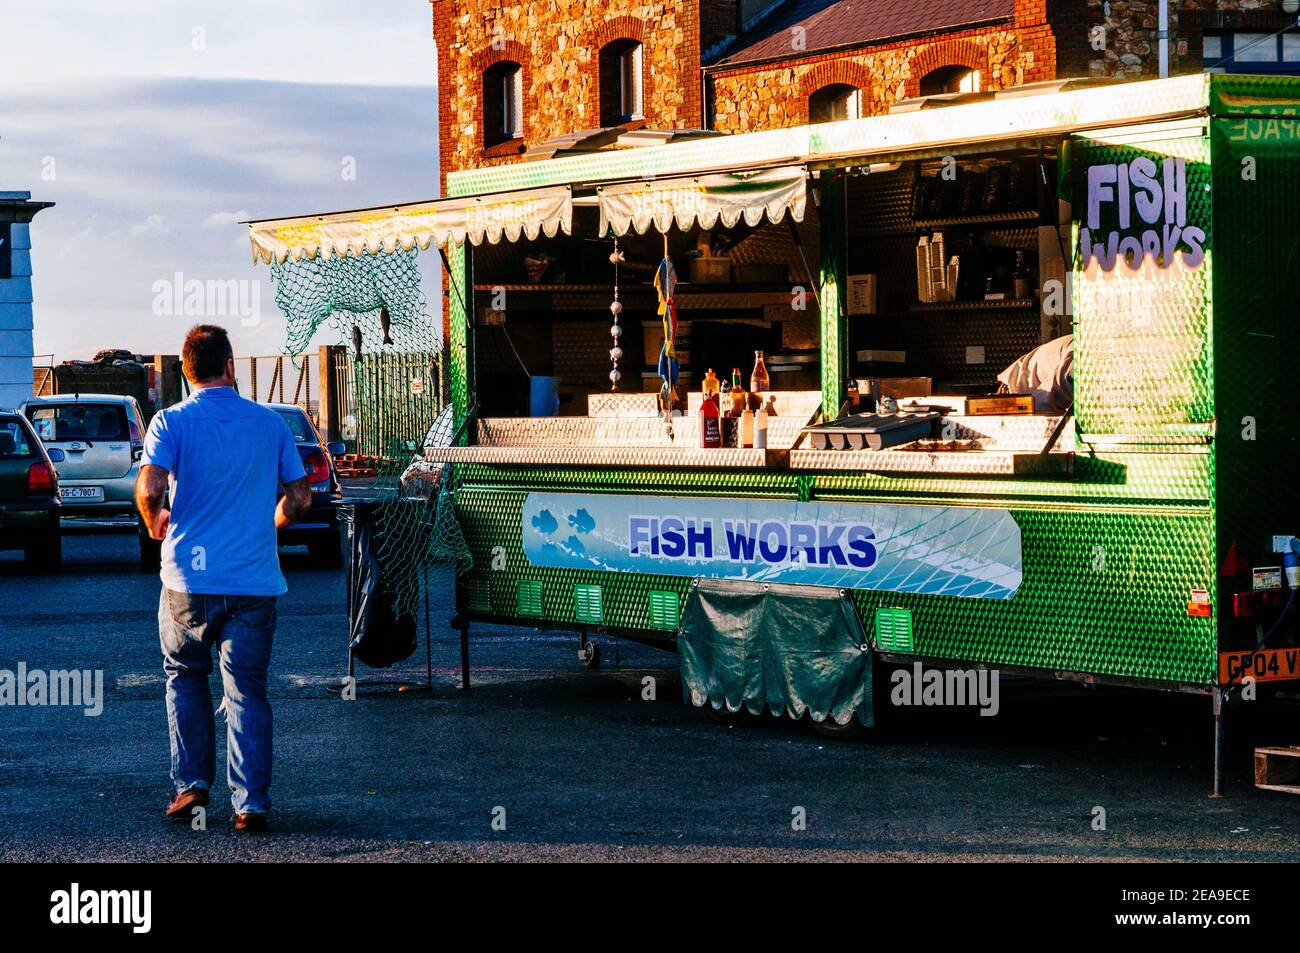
x: 156, y: 127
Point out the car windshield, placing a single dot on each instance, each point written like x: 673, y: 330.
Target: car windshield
x: 79, y: 422
x: 299, y: 426
x: 13, y: 439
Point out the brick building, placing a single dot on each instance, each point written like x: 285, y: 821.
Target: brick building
x: 515, y: 77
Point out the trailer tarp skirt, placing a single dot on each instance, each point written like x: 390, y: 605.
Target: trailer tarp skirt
x: 779, y: 647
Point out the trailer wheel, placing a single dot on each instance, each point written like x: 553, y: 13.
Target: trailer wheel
x: 589, y: 654
x: 830, y: 728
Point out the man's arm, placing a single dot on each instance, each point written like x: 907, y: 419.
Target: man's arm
x: 150, y: 494
x: 295, y: 503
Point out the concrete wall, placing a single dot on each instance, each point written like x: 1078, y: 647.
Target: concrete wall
x: 16, y: 321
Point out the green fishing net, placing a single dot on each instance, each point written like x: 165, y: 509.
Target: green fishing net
x: 391, y: 399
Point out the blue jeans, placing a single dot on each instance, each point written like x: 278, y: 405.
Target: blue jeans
x: 190, y: 625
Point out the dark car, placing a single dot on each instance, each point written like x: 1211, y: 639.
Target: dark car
x: 29, y: 495
x: 319, y: 530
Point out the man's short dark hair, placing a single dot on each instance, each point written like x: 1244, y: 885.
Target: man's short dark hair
x: 205, y: 352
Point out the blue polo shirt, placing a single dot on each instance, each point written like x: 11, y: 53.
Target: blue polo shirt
x: 227, y: 457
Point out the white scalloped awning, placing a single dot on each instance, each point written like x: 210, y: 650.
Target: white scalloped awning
x: 703, y: 200
x: 371, y: 231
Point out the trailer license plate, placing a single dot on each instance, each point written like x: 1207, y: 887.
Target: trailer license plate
x: 1267, y: 665
x: 81, y: 492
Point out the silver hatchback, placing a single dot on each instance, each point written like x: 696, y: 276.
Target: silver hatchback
x: 102, y: 439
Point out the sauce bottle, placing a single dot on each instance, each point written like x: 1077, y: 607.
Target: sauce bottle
x: 710, y: 423
x: 738, y: 400
x: 760, y: 428
x: 747, y: 427
x: 711, y: 386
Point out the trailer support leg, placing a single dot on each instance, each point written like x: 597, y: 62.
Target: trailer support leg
x: 464, y: 653
x: 1220, y: 709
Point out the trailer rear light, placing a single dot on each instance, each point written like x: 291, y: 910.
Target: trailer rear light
x: 317, y: 467
x: 42, y: 480
x: 1198, y: 604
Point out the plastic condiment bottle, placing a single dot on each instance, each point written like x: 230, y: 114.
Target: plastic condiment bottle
x: 711, y: 385
x: 760, y: 429
x: 747, y: 428
x: 710, y: 423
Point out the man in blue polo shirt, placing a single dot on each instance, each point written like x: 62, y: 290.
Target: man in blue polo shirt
x: 223, y: 459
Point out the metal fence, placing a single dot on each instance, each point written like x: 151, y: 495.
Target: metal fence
x: 385, y: 403
x: 281, y: 379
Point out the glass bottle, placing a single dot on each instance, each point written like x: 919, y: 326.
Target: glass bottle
x: 1020, y: 277
x: 738, y: 398
x: 758, y: 379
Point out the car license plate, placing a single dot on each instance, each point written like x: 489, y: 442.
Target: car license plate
x: 81, y: 492
x: 1266, y: 665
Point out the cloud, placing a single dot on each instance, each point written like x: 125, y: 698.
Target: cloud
x: 153, y: 225
x: 142, y: 164
x: 304, y: 41
x: 225, y: 219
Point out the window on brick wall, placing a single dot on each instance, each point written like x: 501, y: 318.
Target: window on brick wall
x: 950, y: 79
x: 1238, y: 51
x: 836, y: 101
x: 620, y: 82
x: 503, y: 103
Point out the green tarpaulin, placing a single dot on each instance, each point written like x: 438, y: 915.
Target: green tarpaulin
x: 779, y: 647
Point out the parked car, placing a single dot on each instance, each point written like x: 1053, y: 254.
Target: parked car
x: 101, y: 437
x: 29, y: 495
x: 319, y: 529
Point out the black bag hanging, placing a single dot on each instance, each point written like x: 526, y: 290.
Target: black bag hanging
x: 377, y: 635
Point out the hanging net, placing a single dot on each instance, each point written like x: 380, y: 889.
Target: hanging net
x: 391, y: 400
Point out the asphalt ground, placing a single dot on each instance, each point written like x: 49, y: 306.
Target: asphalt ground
x: 578, y: 764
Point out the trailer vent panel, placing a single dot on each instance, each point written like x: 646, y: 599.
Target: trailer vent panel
x: 665, y: 610
x: 893, y: 630
x: 528, y: 598
x: 588, y: 604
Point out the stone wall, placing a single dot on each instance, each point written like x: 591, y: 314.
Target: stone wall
x: 557, y: 45
x: 774, y: 95
x: 1131, y: 43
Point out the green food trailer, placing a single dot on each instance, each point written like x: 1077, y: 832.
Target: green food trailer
x: 1140, y: 532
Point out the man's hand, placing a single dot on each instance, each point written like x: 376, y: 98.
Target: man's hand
x: 158, y: 528
x: 294, y: 504
x: 150, y: 494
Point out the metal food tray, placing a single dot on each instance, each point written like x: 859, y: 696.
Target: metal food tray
x: 871, y: 431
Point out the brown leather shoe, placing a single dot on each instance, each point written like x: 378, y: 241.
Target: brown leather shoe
x: 253, y: 823
x: 183, y: 804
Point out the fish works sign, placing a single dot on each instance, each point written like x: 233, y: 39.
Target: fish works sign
x: 972, y: 552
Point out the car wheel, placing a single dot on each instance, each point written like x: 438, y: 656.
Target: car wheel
x: 45, y: 556
x: 150, y: 550
x: 326, y: 549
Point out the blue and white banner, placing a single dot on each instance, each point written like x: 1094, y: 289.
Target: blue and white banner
x: 943, y: 550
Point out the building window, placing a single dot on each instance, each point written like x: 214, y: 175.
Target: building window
x: 620, y: 83
x: 1236, y: 51
x: 836, y: 101
x: 950, y: 79
x: 503, y: 103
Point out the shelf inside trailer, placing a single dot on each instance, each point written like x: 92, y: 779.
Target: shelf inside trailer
x: 947, y: 462
x: 593, y: 456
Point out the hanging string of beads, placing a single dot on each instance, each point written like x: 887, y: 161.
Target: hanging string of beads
x: 616, y: 330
